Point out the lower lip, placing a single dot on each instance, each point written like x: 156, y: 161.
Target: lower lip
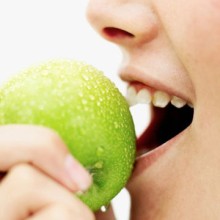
x: 144, y: 161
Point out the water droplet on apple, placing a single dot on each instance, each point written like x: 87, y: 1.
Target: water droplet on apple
x: 92, y: 97
x: 104, y: 208
x: 99, y: 151
x: 98, y: 165
x: 84, y: 101
x: 85, y: 77
x: 116, y: 125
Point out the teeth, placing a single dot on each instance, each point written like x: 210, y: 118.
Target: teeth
x: 131, y: 96
x: 144, y: 96
x: 159, y: 99
x: 178, y: 102
x: 190, y: 105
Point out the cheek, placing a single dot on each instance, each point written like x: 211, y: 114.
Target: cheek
x: 200, y: 50
x: 215, y: 4
x: 198, y: 46
x: 202, y: 38
x: 193, y: 28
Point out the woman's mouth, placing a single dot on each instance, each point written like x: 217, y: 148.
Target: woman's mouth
x: 170, y: 115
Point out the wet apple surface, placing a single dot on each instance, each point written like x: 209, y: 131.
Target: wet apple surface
x: 89, y: 113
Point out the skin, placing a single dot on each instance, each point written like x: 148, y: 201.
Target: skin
x: 175, y: 43
x: 38, y: 176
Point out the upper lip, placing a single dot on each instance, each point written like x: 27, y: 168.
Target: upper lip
x: 132, y: 74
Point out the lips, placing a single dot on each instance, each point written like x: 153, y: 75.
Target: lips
x: 170, y: 116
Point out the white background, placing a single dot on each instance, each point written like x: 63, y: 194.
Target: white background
x: 32, y: 31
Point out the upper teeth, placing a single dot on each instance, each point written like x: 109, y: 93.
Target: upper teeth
x: 158, y: 98
x: 178, y: 102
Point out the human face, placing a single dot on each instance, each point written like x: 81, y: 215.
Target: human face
x: 174, y: 47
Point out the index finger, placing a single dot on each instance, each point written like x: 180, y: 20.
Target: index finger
x: 44, y: 149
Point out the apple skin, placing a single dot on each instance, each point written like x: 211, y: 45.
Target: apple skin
x: 86, y: 110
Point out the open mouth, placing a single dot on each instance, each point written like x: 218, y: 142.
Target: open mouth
x: 165, y: 124
x: 170, y: 115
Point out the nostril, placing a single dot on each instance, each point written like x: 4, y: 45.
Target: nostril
x: 113, y: 32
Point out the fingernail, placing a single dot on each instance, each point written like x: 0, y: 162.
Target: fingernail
x: 77, y: 173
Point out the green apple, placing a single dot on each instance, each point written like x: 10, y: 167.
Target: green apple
x: 89, y: 113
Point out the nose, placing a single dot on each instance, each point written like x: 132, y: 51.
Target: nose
x: 123, y: 22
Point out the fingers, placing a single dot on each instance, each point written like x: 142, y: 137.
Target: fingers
x: 59, y: 211
x: 27, y: 193
x: 42, y: 148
